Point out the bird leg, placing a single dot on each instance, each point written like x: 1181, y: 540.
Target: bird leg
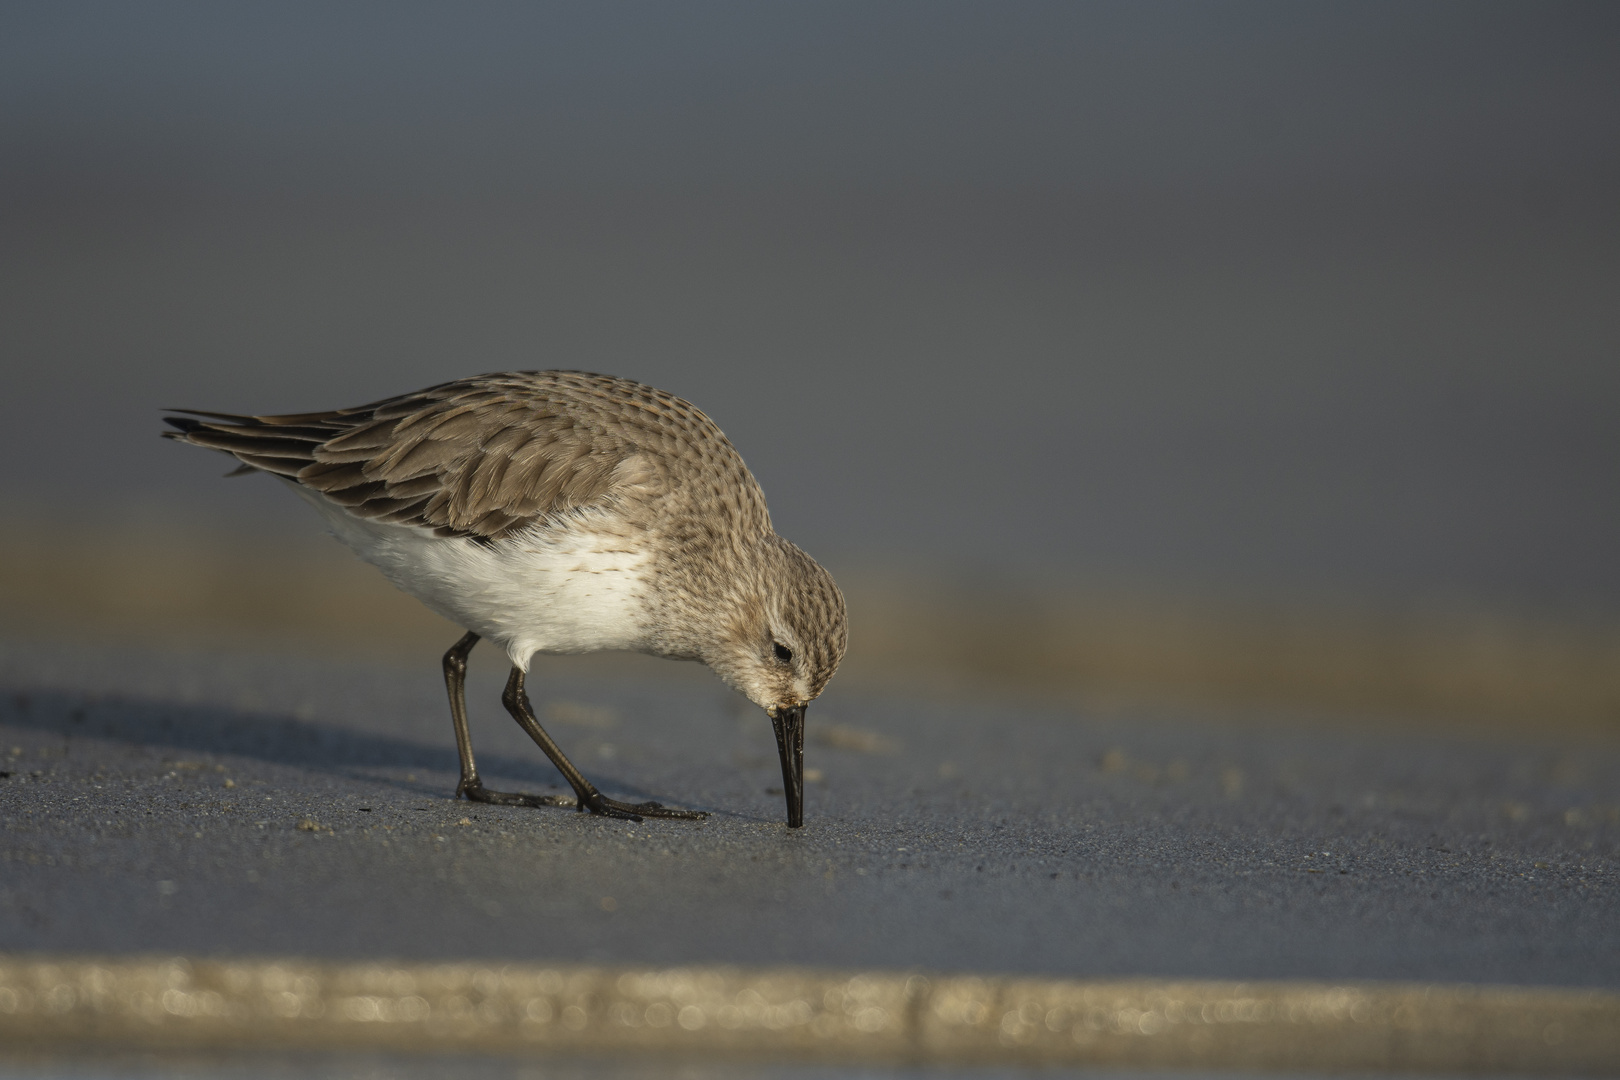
x: 471, y: 788
x: 516, y: 700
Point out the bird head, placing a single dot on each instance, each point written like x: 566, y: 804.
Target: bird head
x: 780, y: 648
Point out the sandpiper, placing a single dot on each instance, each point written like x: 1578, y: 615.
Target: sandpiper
x: 563, y: 512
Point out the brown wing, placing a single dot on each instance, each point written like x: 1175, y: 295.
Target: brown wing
x: 480, y: 457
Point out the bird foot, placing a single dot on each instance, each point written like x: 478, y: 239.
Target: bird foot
x: 477, y: 792
x: 613, y: 808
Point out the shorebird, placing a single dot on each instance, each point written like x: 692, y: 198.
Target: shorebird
x: 563, y: 512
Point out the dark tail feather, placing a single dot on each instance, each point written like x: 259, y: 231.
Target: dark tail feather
x: 187, y: 427
x: 255, y: 453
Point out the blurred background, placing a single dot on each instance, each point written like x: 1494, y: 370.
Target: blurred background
x: 1257, y: 355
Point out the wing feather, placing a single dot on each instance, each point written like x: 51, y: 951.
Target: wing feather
x: 484, y: 457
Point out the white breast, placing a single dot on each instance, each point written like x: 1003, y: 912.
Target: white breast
x: 569, y: 589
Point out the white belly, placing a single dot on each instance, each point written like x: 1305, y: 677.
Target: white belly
x: 566, y: 590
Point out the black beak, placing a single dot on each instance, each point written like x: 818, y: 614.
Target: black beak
x: 789, y: 725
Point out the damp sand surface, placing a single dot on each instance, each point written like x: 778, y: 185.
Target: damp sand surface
x: 242, y: 804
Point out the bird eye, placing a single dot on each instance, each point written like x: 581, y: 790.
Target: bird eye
x: 783, y: 653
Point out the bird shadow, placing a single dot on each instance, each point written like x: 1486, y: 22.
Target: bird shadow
x: 170, y: 727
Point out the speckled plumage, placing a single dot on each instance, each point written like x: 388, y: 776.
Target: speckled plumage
x: 561, y: 511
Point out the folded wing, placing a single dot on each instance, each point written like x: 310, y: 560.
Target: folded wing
x: 481, y: 457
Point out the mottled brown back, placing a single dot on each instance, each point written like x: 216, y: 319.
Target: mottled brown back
x: 488, y: 456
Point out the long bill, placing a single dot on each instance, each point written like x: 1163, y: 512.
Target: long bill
x: 789, y: 725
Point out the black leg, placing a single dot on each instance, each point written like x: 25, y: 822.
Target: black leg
x: 471, y: 788
x: 516, y: 700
